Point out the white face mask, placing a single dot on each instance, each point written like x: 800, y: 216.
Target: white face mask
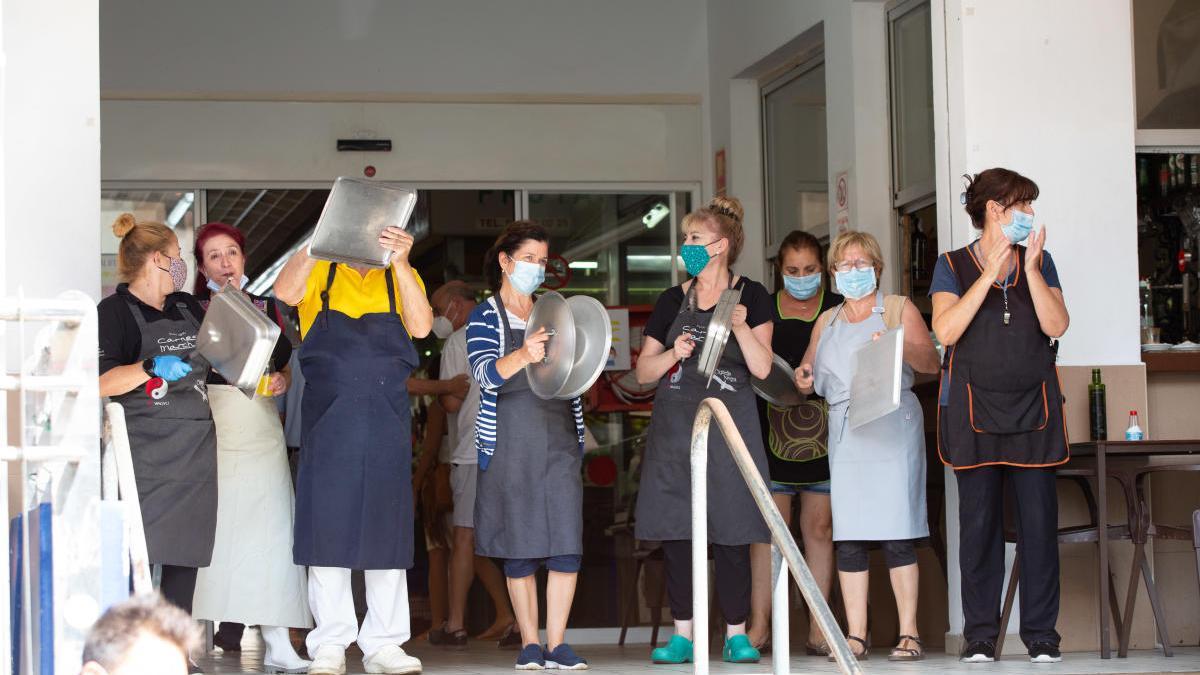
x: 442, y: 327
x: 212, y: 285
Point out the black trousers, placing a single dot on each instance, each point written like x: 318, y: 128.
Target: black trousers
x: 981, y: 550
x: 178, y: 585
x: 732, y: 576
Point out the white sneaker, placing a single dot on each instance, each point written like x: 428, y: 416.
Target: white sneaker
x: 328, y: 660
x: 391, y: 660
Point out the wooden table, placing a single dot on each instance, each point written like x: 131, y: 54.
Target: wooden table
x: 1145, y: 456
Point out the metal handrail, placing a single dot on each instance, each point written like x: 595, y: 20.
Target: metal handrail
x: 781, y: 538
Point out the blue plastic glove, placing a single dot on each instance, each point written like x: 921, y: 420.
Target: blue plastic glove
x: 170, y: 368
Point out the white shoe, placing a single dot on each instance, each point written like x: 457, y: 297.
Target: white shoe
x: 251, y: 640
x: 392, y: 660
x: 280, y: 656
x: 328, y: 660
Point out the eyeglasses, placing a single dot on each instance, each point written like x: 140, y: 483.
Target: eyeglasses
x: 859, y: 265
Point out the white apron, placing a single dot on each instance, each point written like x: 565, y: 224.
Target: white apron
x: 252, y: 579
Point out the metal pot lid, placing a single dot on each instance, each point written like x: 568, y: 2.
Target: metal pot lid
x: 552, y: 312
x: 355, y: 214
x: 779, y: 387
x: 593, y: 339
x: 719, y: 330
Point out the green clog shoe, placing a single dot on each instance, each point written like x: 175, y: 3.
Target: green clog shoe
x: 739, y: 650
x: 678, y: 650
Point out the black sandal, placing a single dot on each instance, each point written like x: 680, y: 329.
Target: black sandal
x: 817, y: 650
x: 861, y: 657
x: 904, y: 654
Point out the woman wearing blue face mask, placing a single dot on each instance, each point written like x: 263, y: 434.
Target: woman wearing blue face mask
x: 672, y: 340
x: 529, y: 494
x: 795, y: 437
x: 997, y: 307
x: 877, y: 470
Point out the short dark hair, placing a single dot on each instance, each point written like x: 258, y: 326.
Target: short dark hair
x: 1003, y: 186
x: 518, y: 232
x: 112, y: 636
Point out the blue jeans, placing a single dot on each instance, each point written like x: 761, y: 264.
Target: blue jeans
x: 793, y: 490
x: 519, y: 568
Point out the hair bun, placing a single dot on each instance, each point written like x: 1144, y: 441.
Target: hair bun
x: 123, y: 225
x: 730, y: 207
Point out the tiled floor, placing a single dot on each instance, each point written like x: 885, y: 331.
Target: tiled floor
x: 484, y: 659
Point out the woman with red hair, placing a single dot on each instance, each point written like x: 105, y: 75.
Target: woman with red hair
x: 252, y: 579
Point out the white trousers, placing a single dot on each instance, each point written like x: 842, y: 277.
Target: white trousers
x: 332, y: 604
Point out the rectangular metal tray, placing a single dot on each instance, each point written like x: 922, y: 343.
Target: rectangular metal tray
x: 878, y: 370
x: 237, y: 339
x: 355, y: 214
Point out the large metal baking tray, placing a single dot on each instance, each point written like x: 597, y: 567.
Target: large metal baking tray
x: 552, y: 312
x: 779, y: 387
x: 593, y: 340
x: 236, y: 339
x: 717, y: 336
x: 355, y: 214
x: 875, y: 387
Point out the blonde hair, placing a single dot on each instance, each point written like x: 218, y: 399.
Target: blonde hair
x: 863, y: 240
x: 723, y: 214
x: 138, y: 242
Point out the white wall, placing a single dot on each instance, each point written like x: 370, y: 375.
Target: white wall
x: 1030, y: 89
x: 170, y: 48
x: 742, y: 37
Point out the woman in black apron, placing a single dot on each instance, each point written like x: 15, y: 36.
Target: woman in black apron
x: 672, y: 342
x: 529, y: 497
x: 999, y: 307
x: 147, y: 330
x: 795, y: 438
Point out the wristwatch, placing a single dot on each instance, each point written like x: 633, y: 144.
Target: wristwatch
x: 148, y: 366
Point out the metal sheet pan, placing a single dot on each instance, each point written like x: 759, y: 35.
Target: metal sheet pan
x: 720, y: 327
x: 779, y: 387
x: 875, y: 387
x: 355, y: 214
x: 236, y: 339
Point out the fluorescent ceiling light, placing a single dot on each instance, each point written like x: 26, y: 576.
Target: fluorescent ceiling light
x: 181, y: 208
x: 584, y: 265
x: 655, y: 215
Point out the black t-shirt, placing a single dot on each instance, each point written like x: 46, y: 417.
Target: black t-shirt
x: 790, y: 340
x: 120, y: 340
x: 754, y: 296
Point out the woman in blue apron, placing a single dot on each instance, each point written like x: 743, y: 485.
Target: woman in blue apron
x: 672, y: 340
x: 998, y: 307
x: 529, y: 496
x: 795, y: 438
x: 877, y: 470
x: 147, y: 329
x: 354, y: 503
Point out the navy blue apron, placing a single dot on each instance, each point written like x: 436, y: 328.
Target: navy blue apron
x: 354, y: 502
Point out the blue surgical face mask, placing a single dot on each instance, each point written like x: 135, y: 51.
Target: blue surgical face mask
x: 1019, y: 228
x: 526, y: 277
x: 215, y: 288
x: 695, y: 257
x: 802, y: 288
x: 856, y: 284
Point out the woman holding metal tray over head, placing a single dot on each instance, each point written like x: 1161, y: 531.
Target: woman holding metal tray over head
x: 252, y: 579
x: 877, y: 469
x: 529, y: 497
x: 682, y: 351
x: 147, y: 330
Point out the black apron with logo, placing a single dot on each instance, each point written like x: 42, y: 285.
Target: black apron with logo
x: 664, y: 502
x: 174, y: 446
x: 1000, y: 401
x: 529, y: 501
x: 354, y: 502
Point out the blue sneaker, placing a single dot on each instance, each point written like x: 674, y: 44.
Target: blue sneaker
x: 564, y: 658
x: 531, y: 658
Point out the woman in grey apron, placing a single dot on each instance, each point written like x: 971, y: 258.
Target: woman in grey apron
x: 147, y: 330
x: 529, y: 496
x: 713, y: 237
x: 877, y: 470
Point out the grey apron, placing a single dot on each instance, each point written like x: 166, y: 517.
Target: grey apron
x: 877, y: 471
x: 174, y: 446
x: 529, y: 501
x: 664, y: 506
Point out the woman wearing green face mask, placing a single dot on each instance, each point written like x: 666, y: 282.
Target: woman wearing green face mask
x: 795, y: 438
x: 671, y: 344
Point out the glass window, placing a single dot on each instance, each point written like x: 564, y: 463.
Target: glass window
x: 1166, y: 51
x: 178, y: 209
x: 797, y: 172
x: 911, y: 53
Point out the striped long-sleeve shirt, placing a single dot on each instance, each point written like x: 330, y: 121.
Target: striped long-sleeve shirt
x: 485, y: 345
